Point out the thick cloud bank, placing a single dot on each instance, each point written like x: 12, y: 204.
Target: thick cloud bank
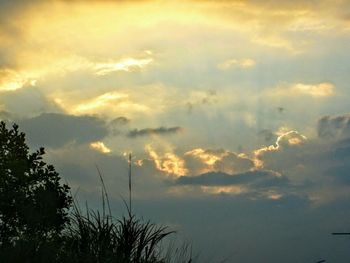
x: 55, y: 130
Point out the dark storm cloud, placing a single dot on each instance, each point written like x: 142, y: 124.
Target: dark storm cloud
x: 120, y: 121
x: 153, y: 131
x: 258, y: 178
x: 55, y: 130
x: 334, y: 126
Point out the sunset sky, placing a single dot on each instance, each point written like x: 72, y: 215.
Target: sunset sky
x: 236, y: 113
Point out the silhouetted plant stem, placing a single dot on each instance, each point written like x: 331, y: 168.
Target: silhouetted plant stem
x: 130, y: 209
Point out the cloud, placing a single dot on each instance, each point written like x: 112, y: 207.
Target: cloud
x: 237, y: 63
x: 198, y: 98
x: 119, y: 121
x: 111, y: 102
x: 55, y: 130
x: 100, y: 147
x: 259, y: 183
x: 127, y: 64
x: 285, y: 141
x: 267, y: 135
x: 154, y: 131
x: 200, y: 160
x: 278, y: 42
x: 334, y: 126
x: 319, y: 90
x: 108, y: 103
x: 257, y: 178
x: 117, y: 124
x: 168, y: 163
x: 11, y: 80
x: 14, y: 78
x: 77, y: 164
x: 233, y: 163
x: 27, y: 102
x: 101, y: 101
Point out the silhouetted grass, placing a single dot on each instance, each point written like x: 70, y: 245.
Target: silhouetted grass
x: 99, y: 237
x: 178, y: 254
x: 96, y: 237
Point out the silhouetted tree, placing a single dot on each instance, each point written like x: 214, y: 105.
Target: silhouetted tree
x: 34, y: 225
x: 33, y: 202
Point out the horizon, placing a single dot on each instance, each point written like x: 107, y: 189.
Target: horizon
x: 236, y: 114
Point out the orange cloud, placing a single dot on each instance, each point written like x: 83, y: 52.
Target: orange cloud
x: 168, y: 163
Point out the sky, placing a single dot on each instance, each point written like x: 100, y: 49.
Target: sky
x: 236, y: 114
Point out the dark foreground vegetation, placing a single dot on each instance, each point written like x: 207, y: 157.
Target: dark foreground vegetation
x: 40, y: 222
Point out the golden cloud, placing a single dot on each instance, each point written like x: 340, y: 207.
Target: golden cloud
x: 318, y: 90
x: 99, y: 102
x: 106, y: 26
x: 109, y: 104
x: 168, y: 163
x: 11, y: 80
x: 100, y: 147
x: 127, y: 64
x: 217, y: 160
x: 207, y: 157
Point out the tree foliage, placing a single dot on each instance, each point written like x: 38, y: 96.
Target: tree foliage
x: 33, y: 202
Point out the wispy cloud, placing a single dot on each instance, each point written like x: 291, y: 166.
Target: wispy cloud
x: 111, y: 102
x: 101, y: 101
x: 127, y: 64
x: 237, y: 63
x: 153, y: 131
